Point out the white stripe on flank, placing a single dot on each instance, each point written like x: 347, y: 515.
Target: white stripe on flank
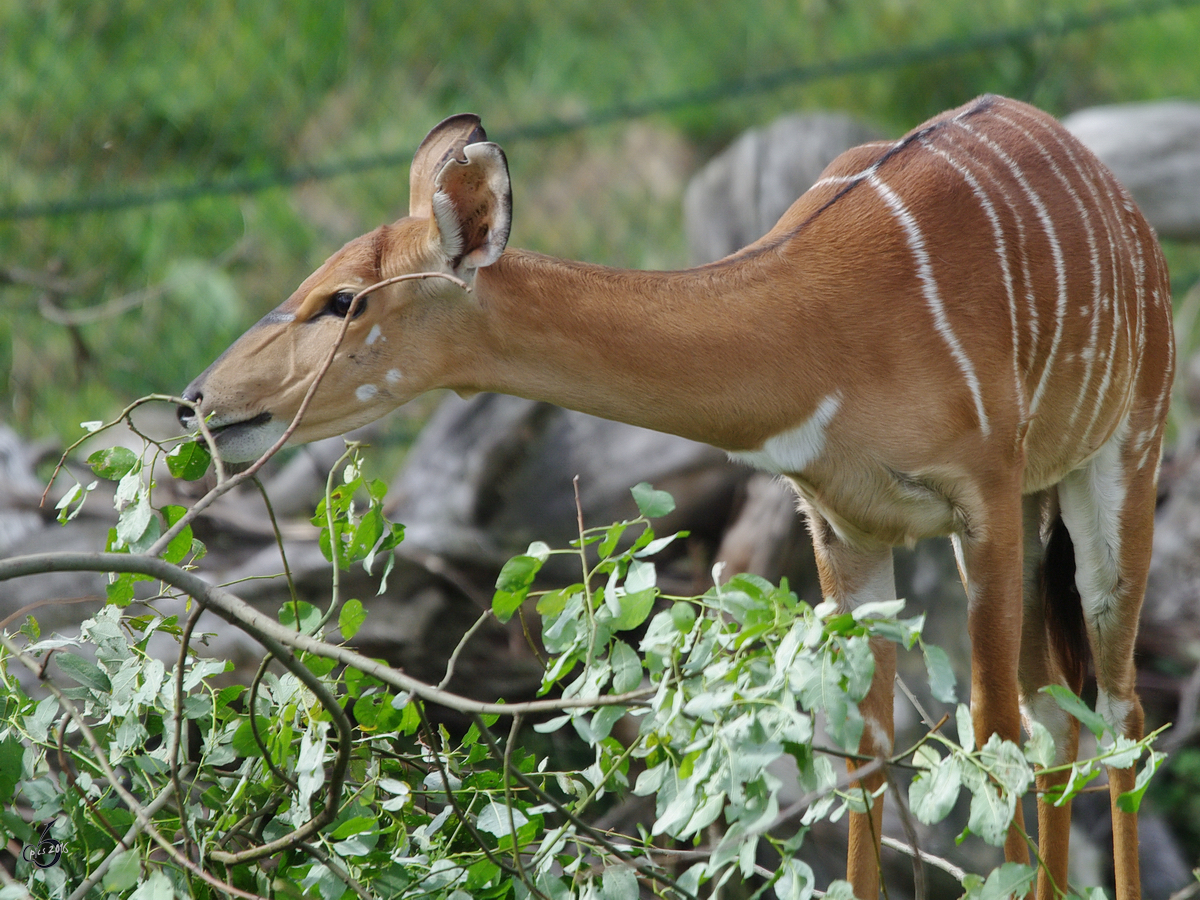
x: 865, y: 173
x: 1023, y: 255
x: 1085, y: 217
x: 989, y: 210
x: 838, y: 180
x: 1055, y: 250
x: 1111, y: 305
x: 933, y: 299
x: 791, y: 452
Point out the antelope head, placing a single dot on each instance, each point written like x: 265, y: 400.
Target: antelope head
x: 402, y: 338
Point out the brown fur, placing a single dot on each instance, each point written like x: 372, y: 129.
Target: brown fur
x: 979, y: 310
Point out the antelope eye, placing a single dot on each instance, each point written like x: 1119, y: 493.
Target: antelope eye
x: 339, y: 304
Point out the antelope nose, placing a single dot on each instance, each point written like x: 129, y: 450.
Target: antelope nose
x: 187, y: 415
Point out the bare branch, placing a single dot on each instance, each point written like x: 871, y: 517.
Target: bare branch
x: 276, y: 637
x: 935, y: 861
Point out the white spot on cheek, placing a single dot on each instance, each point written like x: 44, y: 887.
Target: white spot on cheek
x: 393, y: 375
x: 375, y: 333
x: 366, y: 392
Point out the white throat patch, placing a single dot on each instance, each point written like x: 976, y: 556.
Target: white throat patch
x: 791, y: 452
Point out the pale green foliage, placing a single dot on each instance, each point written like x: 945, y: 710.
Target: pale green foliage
x: 722, y: 688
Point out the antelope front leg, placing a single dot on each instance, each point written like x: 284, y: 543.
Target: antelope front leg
x: 992, y: 561
x: 851, y: 576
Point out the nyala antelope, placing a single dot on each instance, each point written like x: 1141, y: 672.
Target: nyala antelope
x: 965, y: 332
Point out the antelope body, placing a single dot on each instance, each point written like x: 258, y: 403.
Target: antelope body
x: 966, y: 332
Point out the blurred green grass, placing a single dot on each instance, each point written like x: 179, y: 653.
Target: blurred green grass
x: 117, y: 97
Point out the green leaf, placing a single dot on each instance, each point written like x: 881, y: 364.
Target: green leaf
x: 518, y: 573
x: 652, y: 504
x: 972, y: 883
x: 135, y: 518
x: 73, y: 498
x: 112, y: 463
x: 1040, y: 749
x: 554, y: 602
x: 842, y: 718
x: 879, y: 609
x: 356, y: 825
x: 366, y: 535
x: 641, y: 575
x: 351, y: 617
x: 494, y: 819
x: 1067, y: 700
x: 634, y: 609
x: 941, y: 673
x: 611, y: 536
x: 843, y: 624
x: 604, y: 720
x: 319, y: 665
x: 1006, y: 764
x: 966, y: 727
x: 1010, y: 880
x: 658, y: 544
x: 619, y: 883
x: 839, y: 890
x: 859, y: 667
x: 1122, y: 753
x: 189, y: 461
x: 310, y: 616
x: 626, y: 667
x: 83, y: 671
x: 683, y: 614
x: 120, y: 592
x: 512, y: 585
x: 796, y: 881
x: 11, y: 753
x: 935, y: 790
x: 991, y: 814
x: 1129, y: 801
x: 181, y: 545
x: 124, y: 871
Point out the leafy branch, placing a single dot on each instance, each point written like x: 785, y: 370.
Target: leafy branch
x: 333, y: 776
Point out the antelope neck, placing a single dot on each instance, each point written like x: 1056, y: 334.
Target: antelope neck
x: 684, y: 352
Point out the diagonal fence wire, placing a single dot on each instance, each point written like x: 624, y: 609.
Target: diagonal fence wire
x: 1054, y: 26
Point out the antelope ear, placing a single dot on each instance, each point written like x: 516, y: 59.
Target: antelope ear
x: 472, y: 206
x: 446, y: 140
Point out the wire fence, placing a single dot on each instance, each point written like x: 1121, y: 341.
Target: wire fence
x: 169, y: 173
x: 1052, y: 27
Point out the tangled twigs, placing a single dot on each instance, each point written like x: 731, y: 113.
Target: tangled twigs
x: 276, y: 636
x: 237, y: 613
x: 141, y: 814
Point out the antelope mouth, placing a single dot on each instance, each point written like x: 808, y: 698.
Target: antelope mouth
x: 247, y: 439
x: 253, y: 422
